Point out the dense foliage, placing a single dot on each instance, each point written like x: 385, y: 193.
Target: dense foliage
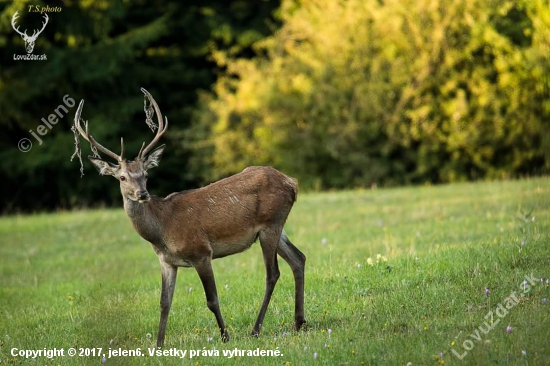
x: 103, y: 52
x: 336, y: 93
x: 362, y: 92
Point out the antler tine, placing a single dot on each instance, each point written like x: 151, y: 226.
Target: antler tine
x: 121, y: 149
x: 13, y: 25
x: 37, y: 32
x: 140, y: 150
x: 44, y: 23
x: 90, y: 139
x: 163, y: 125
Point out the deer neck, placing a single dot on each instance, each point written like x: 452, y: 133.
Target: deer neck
x: 146, y: 219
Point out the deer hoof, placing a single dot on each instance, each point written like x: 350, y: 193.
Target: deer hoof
x: 299, y: 324
x: 225, y: 336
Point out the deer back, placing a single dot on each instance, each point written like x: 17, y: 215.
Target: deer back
x: 226, y: 216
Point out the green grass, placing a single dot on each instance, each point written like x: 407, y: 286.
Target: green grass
x: 86, y: 279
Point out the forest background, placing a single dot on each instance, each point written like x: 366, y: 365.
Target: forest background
x: 339, y: 94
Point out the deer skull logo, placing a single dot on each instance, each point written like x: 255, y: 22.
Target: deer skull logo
x: 29, y: 40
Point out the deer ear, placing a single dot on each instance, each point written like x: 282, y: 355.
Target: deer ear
x: 104, y: 167
x: 153, y: 158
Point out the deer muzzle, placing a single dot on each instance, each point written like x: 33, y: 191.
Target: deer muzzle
x: 143, y: 196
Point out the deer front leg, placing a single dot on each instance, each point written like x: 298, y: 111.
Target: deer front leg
x: 206, y: 274
x: 169, y: 274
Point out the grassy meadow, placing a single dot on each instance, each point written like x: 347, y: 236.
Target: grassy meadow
x: 86, y: 279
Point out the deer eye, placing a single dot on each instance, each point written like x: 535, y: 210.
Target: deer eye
x: 122, y: 178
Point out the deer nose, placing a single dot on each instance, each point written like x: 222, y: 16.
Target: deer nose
x: 142, y: 195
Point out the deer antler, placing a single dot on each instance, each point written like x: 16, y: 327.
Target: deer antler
x: 91, y: 140
x: 35, y: 34
x: 15, y: 16
x: 162, y: 126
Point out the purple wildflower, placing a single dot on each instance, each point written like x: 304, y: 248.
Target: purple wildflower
x: 487, y: 292
x: 509, y: 329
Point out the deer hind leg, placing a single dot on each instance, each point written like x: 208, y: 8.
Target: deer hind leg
x: 169, y: 274
x: 297, y: 261
x: 268, y: 240
x: 206, y: 274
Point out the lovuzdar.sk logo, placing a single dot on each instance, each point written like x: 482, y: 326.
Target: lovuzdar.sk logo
x: 29, y: 39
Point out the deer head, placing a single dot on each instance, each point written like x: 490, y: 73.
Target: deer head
x: 132, y: 175
x: 29, y: 40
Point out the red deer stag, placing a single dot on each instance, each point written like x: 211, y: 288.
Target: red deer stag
x: 190, y: 228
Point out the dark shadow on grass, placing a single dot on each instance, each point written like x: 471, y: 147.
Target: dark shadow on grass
x: 325, y: 323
